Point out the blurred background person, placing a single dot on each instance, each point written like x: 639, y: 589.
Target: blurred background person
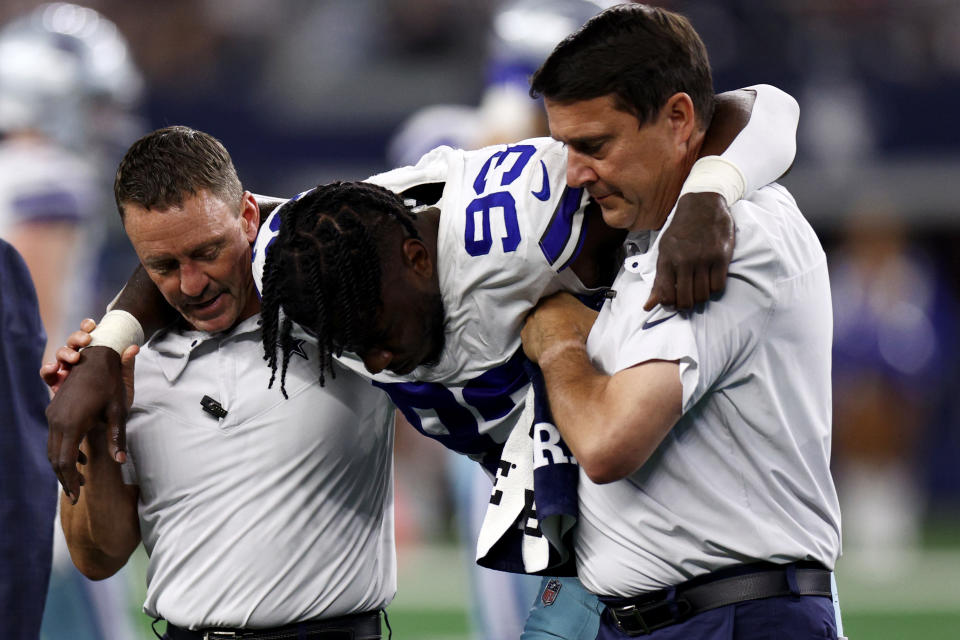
x: 67, y: 85
x: 27, y: 487
x: 895, y: 336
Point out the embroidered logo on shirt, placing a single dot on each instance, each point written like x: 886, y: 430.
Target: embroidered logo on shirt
x: 296, y: 349
x: 649, y: 324
x: 550, y: 592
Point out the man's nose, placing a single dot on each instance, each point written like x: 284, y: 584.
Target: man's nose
x: 193, y: 281
x: 579, y: 171
x: 376, y: 360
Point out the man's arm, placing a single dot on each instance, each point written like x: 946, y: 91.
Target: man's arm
x: 267, y: 204
x: 102, y: 529
x: 611, y: 423
x: 751, y: 142
x: 94, y: 395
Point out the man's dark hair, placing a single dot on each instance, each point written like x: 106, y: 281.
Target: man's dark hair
x: 325, y: 267
x: 641, y: 55
x: 162, y: 168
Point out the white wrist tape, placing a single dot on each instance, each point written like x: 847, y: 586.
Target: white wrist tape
x: 716, y: 175
x: 117, y: 330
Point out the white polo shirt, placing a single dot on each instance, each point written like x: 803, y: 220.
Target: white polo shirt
x: 282, y: 510
x: 744, y: 475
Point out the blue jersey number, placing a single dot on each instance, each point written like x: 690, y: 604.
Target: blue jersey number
x: 481, y: 208
x: 489, y: 394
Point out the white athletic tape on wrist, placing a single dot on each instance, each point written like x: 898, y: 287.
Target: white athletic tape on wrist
x: 117, y: 330
x: 716, y: 175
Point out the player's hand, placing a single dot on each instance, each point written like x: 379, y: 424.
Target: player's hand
x: 54, y: 373
x: 92, y: 395
x: 556, y: 321
x: 695, y: 251
x: 127, y: 363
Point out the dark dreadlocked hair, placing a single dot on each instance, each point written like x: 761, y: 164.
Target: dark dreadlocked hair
x: 324, y: 270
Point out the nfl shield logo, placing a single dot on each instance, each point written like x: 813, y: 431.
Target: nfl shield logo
x: 550, y: 592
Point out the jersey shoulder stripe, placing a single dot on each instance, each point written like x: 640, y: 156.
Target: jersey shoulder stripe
x: 564, y: 226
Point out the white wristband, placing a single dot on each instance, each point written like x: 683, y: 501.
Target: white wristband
x: 117, y: 330
x: 716, y: 175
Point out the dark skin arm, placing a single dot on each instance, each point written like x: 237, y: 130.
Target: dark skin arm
x: 697, y: 247
x: 267, y: 204
x: 93, y: 396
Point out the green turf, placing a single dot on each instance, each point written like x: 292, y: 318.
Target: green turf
x: 922, y: 603
x: 428, y: 624
x: 901, y: 626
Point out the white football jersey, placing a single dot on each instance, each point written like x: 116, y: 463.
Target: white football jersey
x: 509, y: 229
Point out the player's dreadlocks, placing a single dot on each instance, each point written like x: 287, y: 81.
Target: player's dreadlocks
x: 324, y: 269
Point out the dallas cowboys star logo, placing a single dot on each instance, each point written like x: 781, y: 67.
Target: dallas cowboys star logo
x: 296, y: 349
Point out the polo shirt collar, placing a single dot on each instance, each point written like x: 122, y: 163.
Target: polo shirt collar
x: 174, y: 345
x: 641, y: 249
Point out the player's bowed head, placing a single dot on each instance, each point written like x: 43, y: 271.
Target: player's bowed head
x: 356, y: 267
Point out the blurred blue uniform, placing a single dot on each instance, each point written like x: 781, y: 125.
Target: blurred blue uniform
x: 29, y: 488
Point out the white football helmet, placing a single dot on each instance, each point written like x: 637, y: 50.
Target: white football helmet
x: 66, y: 71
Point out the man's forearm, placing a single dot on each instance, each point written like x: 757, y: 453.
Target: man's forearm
x: 102, y: 529
x: 730, y: 117
x: 612, y: 424
x: 750, y: 143
x: 575, y: 389
x: 764, y: 145
x: 142, y: 299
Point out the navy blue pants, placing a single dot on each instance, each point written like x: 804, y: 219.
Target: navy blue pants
x: 783, y: 618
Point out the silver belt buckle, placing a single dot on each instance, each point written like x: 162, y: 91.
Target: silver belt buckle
x: 220, y: 635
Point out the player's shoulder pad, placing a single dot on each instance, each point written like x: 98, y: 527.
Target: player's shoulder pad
x: 432, y: 167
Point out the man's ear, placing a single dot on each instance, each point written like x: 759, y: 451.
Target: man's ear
x: 681, y: 116
x: 249, y: 216
x: 417, y: 257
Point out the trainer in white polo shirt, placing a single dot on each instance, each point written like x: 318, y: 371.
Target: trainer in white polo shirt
x: 274, y: 511
x: 744, y: 473
x: 707, y: 509
x: 262, y: 516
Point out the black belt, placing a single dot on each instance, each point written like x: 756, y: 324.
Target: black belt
x: 362, y: 626
x: 644, y: 614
